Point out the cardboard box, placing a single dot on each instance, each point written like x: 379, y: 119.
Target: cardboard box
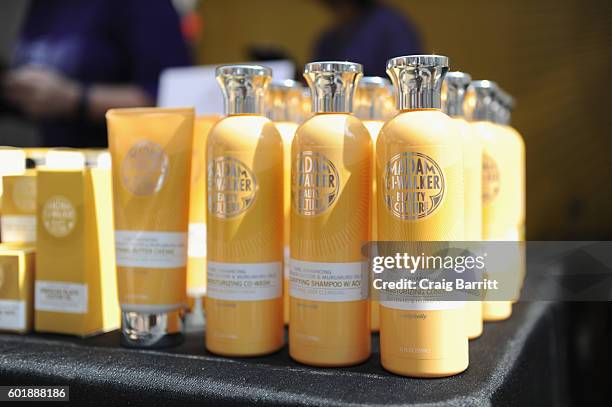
x: 76, y: 288
x: 17, y: 264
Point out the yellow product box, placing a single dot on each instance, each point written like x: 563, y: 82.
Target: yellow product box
x: 18, y: 221
x: 17, y: 265
x: 76, y: 288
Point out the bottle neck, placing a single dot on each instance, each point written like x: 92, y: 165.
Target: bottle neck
x: 483, y: 111
x: 371, y: 104
x: 418, y: 87
x: 332, y: 91
x: 453, y: 105
x: 340, y: 101
x: 413, y: 99
x: 284, y: 106
x: 237, y: 103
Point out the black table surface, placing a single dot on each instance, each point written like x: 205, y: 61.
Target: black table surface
x: 515, y: 362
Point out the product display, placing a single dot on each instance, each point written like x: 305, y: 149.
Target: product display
x: 284, y: 108
x: 17, y: 264
x: 151, y: 150
x: 454, y: 88
x: 302, y: 203
x: 373, y: 105
x: 244, y: 305
x: 196, y: 248
x: 76, y: 289
x: 330, y: 221
x: 274, y: 191
x: 420, y: 198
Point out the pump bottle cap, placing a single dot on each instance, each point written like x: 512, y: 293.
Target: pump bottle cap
x: 417, y: 80
x: 244, y: 87
x: 372, y: 98
x: 332, y: 85
x: 284, y: 101
x: 481, y: 101
x: 453, y: 93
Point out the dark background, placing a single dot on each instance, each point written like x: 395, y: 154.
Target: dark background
x: 553, y: 56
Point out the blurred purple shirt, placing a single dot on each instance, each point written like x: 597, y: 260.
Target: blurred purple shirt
x: 381, y: 33
x: 100, y: 42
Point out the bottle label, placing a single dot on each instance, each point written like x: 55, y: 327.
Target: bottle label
x: 414, y: 185
x: 197, y: 240
x: 144, y: 168
x: 12, y: 315
x: 59, y: 216
x: 490, y: 178
x: 157, y: 250
x: 422, y: 305
x: 56, y: 296
x: 315, y: 183
x: 244, y: 281
x: 232, y: 187
x: 287, y: 261
x: 329, y: 282
x: 18, y: 228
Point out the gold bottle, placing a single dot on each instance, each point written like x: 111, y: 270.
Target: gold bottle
x: 330, y: 221
x: 505, y: 104
x: 372, y: 107
x: 500, y: 185
x: 284, y: 107
x: 453, y: 95
x: 420, y: 339
x: 244, y: 308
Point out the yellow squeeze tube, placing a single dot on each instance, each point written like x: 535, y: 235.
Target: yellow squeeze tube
x: 151, y: 150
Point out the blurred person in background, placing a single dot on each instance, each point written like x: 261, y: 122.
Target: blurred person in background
x: 367, y: 32
x: 75, y: 59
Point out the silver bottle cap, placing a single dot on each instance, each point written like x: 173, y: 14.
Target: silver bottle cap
x: 284, y: 101
x: 481, y: 101
x: 372, y: 98
x: 453, y: 93
x: 244, y: 87
x: 505, y: 104
x: 156, y: 330
x: 417, y: 80
x: 332, y: 85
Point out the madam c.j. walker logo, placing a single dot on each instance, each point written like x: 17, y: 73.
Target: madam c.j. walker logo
x: 232, y: 187
x: 59, y: 216
x: 414, y: 185
x: 490, y: 178
x: 144, y: 168
x: 314, y: 183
